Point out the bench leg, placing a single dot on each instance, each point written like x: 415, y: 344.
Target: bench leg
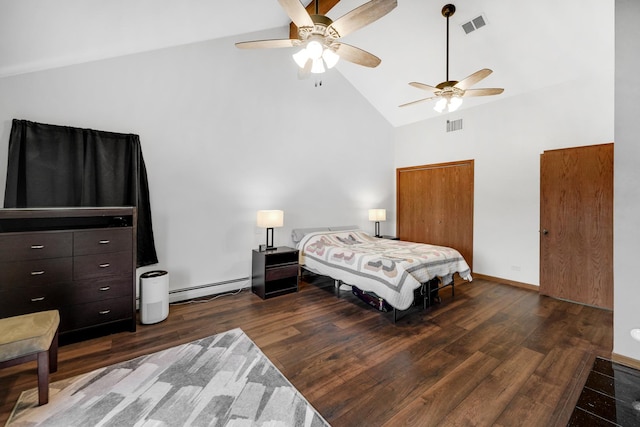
x: 53, y: 354
x: 43, y: 377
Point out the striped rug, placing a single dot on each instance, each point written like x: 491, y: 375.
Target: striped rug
x: 221, y: 380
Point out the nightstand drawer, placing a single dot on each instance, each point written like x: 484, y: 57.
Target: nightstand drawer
x: 25, y: 246
x: 275, y: 273
x: 102, y: 241
x: 36, y: 272
x: 102, y: 265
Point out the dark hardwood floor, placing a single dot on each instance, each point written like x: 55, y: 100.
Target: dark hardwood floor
x: 492, y: 355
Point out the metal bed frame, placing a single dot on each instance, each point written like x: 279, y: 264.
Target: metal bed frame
x: 425, y: 290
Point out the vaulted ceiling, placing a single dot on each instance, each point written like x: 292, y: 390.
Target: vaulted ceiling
x: 528, y: 44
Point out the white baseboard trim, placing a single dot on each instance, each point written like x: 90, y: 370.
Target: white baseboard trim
x: 177, y: 295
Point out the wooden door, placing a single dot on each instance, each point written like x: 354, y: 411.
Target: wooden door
x: 435, y: 205
x: 576, y: 224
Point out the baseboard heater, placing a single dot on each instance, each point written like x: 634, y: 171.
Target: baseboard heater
x: 176, y: 295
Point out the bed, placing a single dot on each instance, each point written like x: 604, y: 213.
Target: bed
x: 392, y: 269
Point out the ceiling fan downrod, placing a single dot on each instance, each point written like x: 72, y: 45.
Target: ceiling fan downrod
x: 447, y: 11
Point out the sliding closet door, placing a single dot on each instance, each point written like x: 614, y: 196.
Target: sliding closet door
x: 435, y: 205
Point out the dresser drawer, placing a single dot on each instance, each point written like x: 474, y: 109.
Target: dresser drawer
x: 102, y: 265
x: 103, y: 240
x: 95, y: 313
x: 29, y: 299
x: 26, y: 246
x: 99, y: 289
x: 35, y: 272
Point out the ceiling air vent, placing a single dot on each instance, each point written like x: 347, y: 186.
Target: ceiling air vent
x: 474, y: 24
x: 453, y: 125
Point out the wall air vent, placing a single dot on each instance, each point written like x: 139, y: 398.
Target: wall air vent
x: 453, y: 125
x: 474, y: 24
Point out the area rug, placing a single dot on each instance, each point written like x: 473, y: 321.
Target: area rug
x: 221, y: 380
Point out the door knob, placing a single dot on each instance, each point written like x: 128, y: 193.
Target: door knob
x: 545, y: 231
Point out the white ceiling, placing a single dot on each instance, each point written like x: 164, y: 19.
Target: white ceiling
x: 529, y: 44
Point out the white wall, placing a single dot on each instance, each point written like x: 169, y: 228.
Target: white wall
x: 225, y: 132
x: 506, y: 139
x: 626, y: 301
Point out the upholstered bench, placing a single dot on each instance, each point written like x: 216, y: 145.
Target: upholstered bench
x: 30, y: 337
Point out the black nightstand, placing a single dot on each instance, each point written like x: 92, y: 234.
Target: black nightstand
x: 274, y: 272
x: 390, y: 237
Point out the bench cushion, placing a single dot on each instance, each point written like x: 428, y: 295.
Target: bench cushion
x: 27, y: 334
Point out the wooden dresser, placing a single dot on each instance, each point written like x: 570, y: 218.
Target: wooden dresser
x: 80, y: 261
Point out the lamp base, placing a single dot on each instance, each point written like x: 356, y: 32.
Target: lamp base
x: 269, y: 245
x: 265, y: 248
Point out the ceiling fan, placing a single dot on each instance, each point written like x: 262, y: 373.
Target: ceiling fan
x: 319, y: 36
x: 450, y: 92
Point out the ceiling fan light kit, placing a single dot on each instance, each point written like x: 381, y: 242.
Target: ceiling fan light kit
x: 318, y: 36
x: 321, y: 57
x: 449, y: 93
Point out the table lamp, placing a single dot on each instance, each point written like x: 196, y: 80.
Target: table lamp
x: 269, y: 219
x: 377, y: 215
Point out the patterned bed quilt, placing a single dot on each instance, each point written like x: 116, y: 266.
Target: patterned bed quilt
x: 390, y: 268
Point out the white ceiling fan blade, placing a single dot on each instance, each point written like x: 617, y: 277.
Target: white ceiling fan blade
x: 424, y: 86
x: 418, y: 101
x: 296, y: 11
x: 483, y: 92
x: 356, y: 55
x: 474, y: 78
x: 262, y: 44
x: 362, y: 16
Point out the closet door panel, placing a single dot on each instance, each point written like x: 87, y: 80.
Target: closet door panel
x: 435, y: 205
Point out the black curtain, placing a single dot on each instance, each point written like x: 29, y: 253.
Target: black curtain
x: 61, y: 166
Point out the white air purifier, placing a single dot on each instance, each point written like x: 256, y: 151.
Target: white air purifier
x: 154, y: 296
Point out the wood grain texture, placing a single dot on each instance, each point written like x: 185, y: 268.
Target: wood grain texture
x: 435, y: 205
x: 576, y: 210
x: 492, y: 355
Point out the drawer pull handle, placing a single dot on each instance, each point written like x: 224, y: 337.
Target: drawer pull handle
x: 104, y: 312
x: 37, y: 273
x: 37, y: 246
x: 104, y: 242
x: 105, y: 265
x: 37, y: 299
x: 105, y: 288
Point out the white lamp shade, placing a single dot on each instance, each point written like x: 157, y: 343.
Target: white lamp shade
x: 270, y: 218
x: 317, y: 67
x: 454, y: 103
x: 451, y: 103
x: 301, y: 58
x: 330, y: 58
x: 440, y: 105
x: 377, y: 214
x: 314, y: 49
